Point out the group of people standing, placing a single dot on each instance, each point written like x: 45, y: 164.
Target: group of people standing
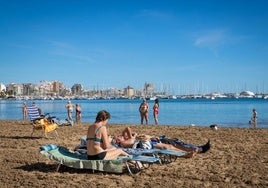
x: 78, y: 112
x: 144, y: 111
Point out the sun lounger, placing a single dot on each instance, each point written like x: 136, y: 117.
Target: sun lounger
x: 63, y: 156
x: 166, y: 155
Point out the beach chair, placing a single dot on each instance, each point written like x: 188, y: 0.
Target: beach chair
x: 40, y: 123
x: 63, y: 156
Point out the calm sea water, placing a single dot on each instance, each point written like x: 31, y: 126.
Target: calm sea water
x: 203, y: 112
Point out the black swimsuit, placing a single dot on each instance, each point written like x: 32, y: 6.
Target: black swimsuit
x: 99, y: 156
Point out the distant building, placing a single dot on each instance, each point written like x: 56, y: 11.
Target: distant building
x: 14, y: 89
x: 45, y: 87
x: 2, y: 87
x: 148, y: 89
x: 30, y: 89
x: 77, y: 89
x: 58, y: 88
x: 129, y: 92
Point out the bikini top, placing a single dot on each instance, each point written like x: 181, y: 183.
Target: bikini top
x: 95, y: 139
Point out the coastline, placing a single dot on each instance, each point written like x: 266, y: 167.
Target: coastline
x: 238, y: 158
x: 224, y: 112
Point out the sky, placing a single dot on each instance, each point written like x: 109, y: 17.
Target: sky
x: 181, y: 46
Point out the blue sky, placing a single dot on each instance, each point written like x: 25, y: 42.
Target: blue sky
x: 181, y: 46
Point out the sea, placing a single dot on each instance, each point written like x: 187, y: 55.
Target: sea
x: 225, y: 112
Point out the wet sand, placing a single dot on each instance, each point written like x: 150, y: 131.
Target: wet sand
x: 238, y: 158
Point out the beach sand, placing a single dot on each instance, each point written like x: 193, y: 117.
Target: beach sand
x: 238, y: 158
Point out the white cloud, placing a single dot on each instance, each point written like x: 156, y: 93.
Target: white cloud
x: 62, y: 45
x: 212, y: 38
x: 68, y: 50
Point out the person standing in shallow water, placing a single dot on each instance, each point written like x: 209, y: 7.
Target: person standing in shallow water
x: 143, y: 109
x: 156, y: 111
x: 24, y: 111
x: 253, y: 121
x: 78, y: 113
x: 69, y: 107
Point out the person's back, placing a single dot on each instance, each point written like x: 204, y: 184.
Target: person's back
x: 94, y: 139
x: 98, y: 142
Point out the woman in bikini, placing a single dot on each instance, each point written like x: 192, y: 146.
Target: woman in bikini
x: 78, y: 113
x: 98, y: 142
x: 156, y: 111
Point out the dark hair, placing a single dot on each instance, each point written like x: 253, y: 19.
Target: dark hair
x: 102, y: 116
x: 157, y: 102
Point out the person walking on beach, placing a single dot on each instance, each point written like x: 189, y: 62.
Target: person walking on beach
x: 69, y: 107
x: 143, y: 109
x: 253, y: 121
x: 156, y: 111
x: 78, y: 113
x: 24, y: 111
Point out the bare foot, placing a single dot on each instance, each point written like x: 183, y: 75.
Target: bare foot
x: 190, y: 154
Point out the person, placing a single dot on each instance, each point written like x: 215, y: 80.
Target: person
x: 78, y: 113
x: 69, y: 107
x: 162, y: 142
x: 143, y: 109
x: 98, y: 143
x: 24, y: 111
x: 156, y: 111
x: 126, y: 140
x: 253, y: 121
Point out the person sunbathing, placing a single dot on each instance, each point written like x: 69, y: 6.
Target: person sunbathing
x: 126, y: 139
x: 132, y: 140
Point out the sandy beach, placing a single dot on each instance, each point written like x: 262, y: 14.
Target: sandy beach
x: 238, y: 158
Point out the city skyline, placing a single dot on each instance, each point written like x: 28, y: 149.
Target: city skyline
x: 153, y: 90
x: 179, y: 46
